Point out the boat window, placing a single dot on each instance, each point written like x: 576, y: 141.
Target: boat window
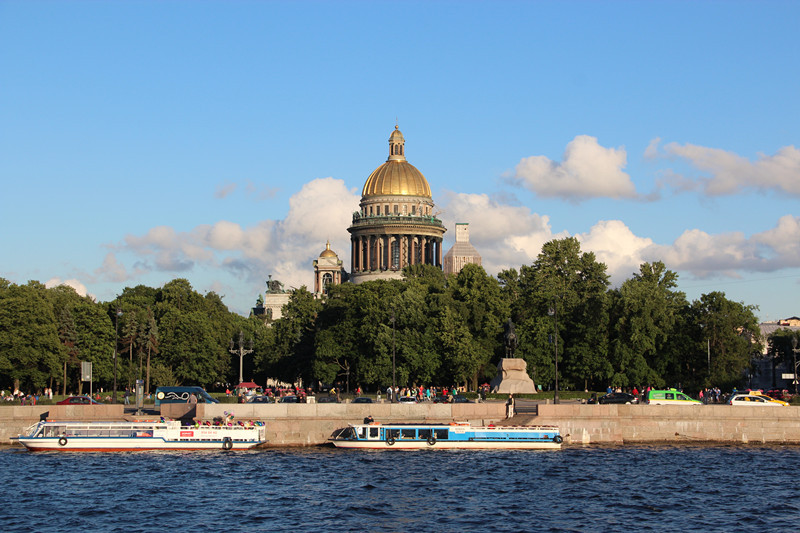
x: 361, y: 432
x: 373, y: 433
x: 441, y: 434
x: 408, y: 433
x: 394, y: 433
x: 425, y: 434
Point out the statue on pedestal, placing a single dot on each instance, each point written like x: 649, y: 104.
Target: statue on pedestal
x: 512, y: 376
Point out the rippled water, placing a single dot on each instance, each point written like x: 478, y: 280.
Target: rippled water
x: 575, y: 489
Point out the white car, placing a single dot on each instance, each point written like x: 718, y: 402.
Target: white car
x: 755, y: 399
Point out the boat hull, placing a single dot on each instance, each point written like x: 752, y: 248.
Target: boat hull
x: 455, y: 436
x: 89, y: 444
x: 452, y: 445
x: 139, y: 436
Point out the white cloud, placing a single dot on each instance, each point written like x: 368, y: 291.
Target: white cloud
x: 726, y: 173
x: 614, y: 244
x: 505, y: 236
x: 588, y: 170
x: 284, y: 248
x: 79, y: 287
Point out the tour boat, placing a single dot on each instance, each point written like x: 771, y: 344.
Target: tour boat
x: 143, y: 435
x: 447, y: 436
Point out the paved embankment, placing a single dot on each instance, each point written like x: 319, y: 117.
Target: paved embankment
x: 312, y: 424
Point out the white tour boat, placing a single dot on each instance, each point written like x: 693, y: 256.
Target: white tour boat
x: 447, y: 436
x: 142, y: 435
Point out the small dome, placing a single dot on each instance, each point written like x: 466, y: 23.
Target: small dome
x: 327, y: 252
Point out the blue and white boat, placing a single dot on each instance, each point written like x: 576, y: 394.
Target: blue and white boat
x: 447, y: 436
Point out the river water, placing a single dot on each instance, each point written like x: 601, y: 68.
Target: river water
x: 711, y: 488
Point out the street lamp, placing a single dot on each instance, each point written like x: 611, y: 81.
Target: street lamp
x: 116, y: 337
x: 394, y: 377
x: 241, y: 352
x: 555, y: 317
x: 794, y: 357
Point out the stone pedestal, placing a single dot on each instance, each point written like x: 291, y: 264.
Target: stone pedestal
x: 512, y: 378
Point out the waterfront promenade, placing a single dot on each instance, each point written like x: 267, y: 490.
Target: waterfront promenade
x: 312, y: 424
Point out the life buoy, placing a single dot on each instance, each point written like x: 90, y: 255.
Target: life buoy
x: 62, y: 441
x: 431, y: 440
x: 227, y: 443
x: 390, y: 441
x: 557, y: 439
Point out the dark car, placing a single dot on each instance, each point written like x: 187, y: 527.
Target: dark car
x: 362, y: 399
x: 289, y: 399
x: 327, y: 399
x: 261, y: 399
x: 77, y: 400
x: 456, y: 399
x: 618, y: 397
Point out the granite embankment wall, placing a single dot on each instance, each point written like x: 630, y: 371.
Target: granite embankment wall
x: 312, y: 424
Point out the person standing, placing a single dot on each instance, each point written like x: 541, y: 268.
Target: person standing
x: 510, y: 406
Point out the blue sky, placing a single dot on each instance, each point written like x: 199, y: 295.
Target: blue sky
x: 227, y: 141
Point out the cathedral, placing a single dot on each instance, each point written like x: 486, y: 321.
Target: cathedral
x: 395, y: 226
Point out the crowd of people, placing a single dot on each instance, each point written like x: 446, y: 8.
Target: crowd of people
x: 26, y: 399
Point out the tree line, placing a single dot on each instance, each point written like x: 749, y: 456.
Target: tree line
x: 425, y: 329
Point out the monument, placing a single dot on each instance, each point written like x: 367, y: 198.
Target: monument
x: 512, y: 375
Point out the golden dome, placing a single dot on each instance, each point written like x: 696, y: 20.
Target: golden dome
x: 396, y: 177
x: 327, y: 252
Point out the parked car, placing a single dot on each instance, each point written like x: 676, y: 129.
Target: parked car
x: 260, y: 399
x: 618, y: 397
x: 289, y: 399
x: 77, y: 400
x: 670, y: 397
x: 327, y: 399
x: 456, y: 399
x: 757, y: 400
x: 362, y: 399
x: 407, y: 399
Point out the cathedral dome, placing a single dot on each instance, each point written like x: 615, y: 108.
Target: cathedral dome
x: 396, y: 177
x: 327, y: 252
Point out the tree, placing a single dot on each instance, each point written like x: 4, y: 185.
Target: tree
x: 645, y: 312
x: 29, y: 345
x: 477, y: 300
x: 573, y: 285
x: 294, y: 337
x: 727, y: 337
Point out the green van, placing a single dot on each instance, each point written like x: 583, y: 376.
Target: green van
x: 670, y: 397
x: 182, y: 395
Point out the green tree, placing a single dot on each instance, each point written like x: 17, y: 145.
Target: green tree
x: 645, y: 312
x: 30, y: 350
x: 726, y: 339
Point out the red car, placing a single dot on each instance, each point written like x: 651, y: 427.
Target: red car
x: 77, y: 400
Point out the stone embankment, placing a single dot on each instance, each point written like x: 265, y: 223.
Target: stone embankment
x: 313, y: 424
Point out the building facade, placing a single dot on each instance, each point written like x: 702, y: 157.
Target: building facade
x: 328, y: 270
x: 396, y: 225
x: 462, y: 253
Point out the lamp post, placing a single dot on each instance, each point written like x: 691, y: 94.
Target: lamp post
x: 554, y: 312
x: 116, y: 339
x: 794, y: 357
x: 394, y: 376
x: 241, y: 352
